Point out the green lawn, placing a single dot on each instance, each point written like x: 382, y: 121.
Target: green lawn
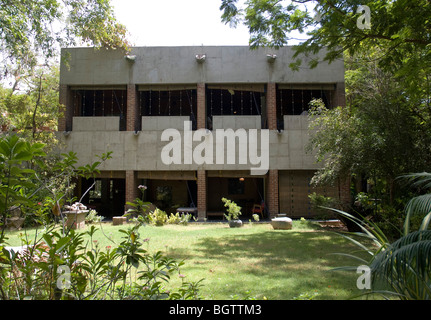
x: 253, y: 261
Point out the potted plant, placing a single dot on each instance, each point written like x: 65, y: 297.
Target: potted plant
x: 233, y: 213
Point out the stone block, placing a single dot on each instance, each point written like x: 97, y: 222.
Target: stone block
x: 281, y: 223
x: 116, y: 221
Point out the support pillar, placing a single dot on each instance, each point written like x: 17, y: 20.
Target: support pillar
x: 340, y: 95
x: 201, y: 106
x: 202, y: 184
x: 202, y: 181
x: 271, y: 105
x: 272, y: 193
x: 132, y: 108
x: 131, y: 187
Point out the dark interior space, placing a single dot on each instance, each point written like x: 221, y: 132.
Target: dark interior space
x: 107, y: 196
x: 232, y: 102
x: 169, y: 103
x: 101, y: 103
x: 245, y: 192
x: 168, y: 195
x: 297, y: 102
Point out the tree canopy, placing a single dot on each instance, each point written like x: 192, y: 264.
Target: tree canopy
x: 32, y: 31
x: 401, y: 28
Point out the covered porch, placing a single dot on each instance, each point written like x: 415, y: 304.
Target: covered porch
x: 239, y: 186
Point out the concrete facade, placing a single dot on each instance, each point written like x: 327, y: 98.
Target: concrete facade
x: 135, y: 137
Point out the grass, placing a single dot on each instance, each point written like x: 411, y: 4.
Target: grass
x: 254, y: 261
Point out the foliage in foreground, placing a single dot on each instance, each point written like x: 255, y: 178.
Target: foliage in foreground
x: 403, y: 267
x: 57, y: 263
x: 60, y: 266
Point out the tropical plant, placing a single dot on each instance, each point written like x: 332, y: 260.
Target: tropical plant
x: 178, y: 218
x: 17, y: 177
x: 233, y: 210
x: 158, y: 217
x: 402, y: 267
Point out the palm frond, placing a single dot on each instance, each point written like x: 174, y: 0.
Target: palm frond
x: 422, y: 179
x: 420, y: 205
x: 405, y: 265
x: 425, y: 222
x: 370, y: 229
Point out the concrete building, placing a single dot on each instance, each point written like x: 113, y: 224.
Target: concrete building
x: 124, y: 104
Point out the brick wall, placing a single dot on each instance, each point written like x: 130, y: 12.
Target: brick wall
x: 131, y: 186
x: 201, y: 106
x: 340, y: 95
x: 202, y: 194
x: 272, y: 193
x: 132, y: 108
x: 271, y: 106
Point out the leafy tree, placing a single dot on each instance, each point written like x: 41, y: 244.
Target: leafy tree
x: 35, y: 106
x: 400, y: 28
x: 402, y: 267
x: 381, y: 133
x: 32, y: 29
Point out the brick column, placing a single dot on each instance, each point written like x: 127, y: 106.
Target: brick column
x: 340, y: 95
x: 131, y: 187
x: 201, y: 174
x: 132, y: 108
x: 202, y: 183
x: 272, y: 193
x: 271, y: 106
x: 66, y: 115
x: 201, y: 106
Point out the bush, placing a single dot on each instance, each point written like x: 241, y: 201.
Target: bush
x: 318, y: 201
x: 233, y: 210
x: 179, y: 218
x: 69, y: 267
x: 59, y: 263
x: 158, y: 217
x: 93, y: 217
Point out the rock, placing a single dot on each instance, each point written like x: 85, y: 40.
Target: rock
x: 14, y: 223
x: 281, y: 223
x: 235, y: 223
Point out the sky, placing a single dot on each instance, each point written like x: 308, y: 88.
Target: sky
x: 177, y: 23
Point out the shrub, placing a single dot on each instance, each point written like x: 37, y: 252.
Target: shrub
x: 158, y: 217
x: 93, y: 217
x: 233, y: 210
x: 179, y: 218
x: 68, y: 267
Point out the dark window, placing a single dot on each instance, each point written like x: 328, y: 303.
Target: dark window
x: 235, y: 186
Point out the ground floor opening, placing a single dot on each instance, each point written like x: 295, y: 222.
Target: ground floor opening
x: 201, y: 193
x: 106, y: 195
x: 245, y: 190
